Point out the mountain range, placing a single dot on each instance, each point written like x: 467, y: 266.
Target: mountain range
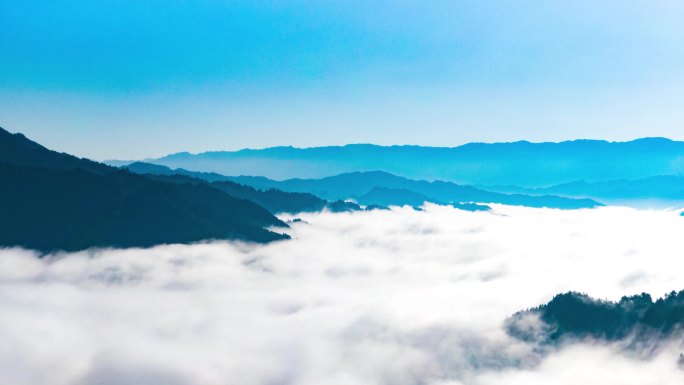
x: 659, y: 190
x: 381, y: 188
x: 637, y: 321
x: 378, y: 188
x: 274, y: 200
x: 58, y: 201
x: 522, y: 164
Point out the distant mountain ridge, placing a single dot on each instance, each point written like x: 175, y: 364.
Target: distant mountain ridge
x: 376, y: 188
x: 669, y: 189
x: 381, y: 188
x: 520, y: 163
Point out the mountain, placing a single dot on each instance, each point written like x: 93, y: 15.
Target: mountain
x: 382, y: 196
x: 665, y: 188
x: 384, y: 189
x: 300, y: 195
x: 155, y: 169
x: 55, y: 201
x: 17, y: 150
x: 518, y: 163
x: 274, y: 200
x: 636, y: 320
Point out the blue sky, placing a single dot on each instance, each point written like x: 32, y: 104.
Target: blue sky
x: 130, y: 79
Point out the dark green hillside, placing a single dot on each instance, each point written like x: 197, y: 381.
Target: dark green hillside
x: 17, y: 150
x: 53, y: 201
x: 638, y: 319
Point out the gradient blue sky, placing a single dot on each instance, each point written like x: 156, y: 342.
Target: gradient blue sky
x: 131, y: 79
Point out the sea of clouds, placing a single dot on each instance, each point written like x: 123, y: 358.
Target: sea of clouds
x: 399, y: 297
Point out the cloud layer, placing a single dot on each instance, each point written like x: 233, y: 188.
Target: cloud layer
x: 382, y: 297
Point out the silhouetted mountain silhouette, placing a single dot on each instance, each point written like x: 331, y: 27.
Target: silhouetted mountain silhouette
x: 52, y: 201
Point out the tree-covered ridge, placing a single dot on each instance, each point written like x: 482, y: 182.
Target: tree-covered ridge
x: 54, y: 201
x: 637, y: 319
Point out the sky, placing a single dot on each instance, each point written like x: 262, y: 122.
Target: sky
x: 399, y: 296
x: 129, y: 79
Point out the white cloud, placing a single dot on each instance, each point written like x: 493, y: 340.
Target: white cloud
x: 382, y: 297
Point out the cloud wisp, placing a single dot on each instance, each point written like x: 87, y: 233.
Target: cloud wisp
x: 381, y: 297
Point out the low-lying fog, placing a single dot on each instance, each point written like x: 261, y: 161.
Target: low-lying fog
x: 382, y: 297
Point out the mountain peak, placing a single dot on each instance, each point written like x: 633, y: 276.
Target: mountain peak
x: 18, y: 150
